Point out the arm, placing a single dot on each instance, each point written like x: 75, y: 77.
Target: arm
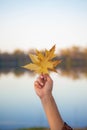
x: 43, y: 87
x: 52, y: 113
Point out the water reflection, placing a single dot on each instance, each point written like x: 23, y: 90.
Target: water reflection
x: 20, y: 107
x: 73, y: 73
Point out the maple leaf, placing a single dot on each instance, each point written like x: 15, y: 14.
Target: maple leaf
x: 43, y: 62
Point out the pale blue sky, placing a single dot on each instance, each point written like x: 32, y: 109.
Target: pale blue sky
x: 28, y: 24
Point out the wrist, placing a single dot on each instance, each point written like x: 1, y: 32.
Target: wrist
x: 46, y: 98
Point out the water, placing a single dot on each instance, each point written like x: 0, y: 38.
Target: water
x: 20, y: 107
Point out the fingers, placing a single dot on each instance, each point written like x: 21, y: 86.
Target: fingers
x: 37, y: 85
x: 41, y: 80
x: 43, y: 77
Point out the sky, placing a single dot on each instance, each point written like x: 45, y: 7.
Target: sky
x: 26, y: 24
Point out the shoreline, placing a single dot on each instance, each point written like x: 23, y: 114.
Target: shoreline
x: 47, y: 129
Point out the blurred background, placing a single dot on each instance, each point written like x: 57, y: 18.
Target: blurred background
x: 27, y: 25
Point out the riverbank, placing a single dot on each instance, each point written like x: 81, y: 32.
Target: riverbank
x: 47, y: 129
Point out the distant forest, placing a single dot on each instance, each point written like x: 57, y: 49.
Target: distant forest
x: 74, y: 61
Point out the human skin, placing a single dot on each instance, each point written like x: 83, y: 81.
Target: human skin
x: 43, y: 87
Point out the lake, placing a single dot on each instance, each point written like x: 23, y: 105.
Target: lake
x: 20, y: 107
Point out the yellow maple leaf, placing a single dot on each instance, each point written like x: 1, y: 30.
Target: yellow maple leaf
x: 43, y: 62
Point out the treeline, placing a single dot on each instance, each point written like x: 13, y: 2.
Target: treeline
x: 74, y: 61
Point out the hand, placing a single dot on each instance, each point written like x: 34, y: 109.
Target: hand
x: 43, y: 85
